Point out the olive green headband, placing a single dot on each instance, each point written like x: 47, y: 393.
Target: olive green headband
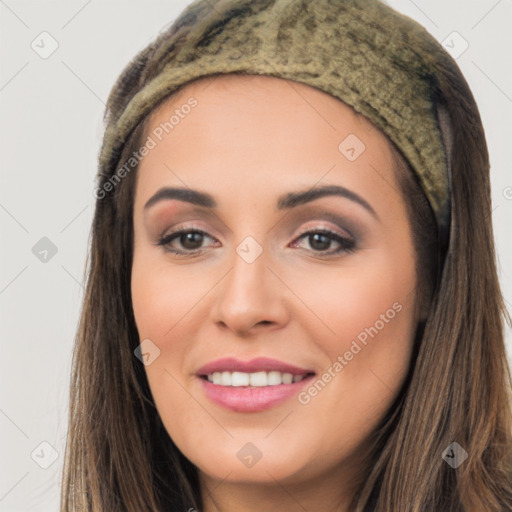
x: 382, y: 63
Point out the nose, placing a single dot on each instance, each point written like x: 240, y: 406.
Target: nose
x: 250, y: 297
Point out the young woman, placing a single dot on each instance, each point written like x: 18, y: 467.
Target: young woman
x: 292, y: 300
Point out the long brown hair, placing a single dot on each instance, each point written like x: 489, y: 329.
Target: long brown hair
x: 119, y: 456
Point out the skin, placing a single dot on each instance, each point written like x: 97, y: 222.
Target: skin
x: 248, y: 141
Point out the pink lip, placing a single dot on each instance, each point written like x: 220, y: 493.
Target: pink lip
x: 247, y: 399
x: 260, y: 364
x: 241, y: 399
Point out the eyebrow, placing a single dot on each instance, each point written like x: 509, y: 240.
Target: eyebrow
x: 285, y: 202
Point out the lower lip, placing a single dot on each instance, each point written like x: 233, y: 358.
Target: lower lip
x: 241, y: 399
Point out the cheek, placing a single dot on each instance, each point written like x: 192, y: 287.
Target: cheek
x: 161, y: 294
x: 161, y: 298
x: 367, y: 314
x: 170, y: 305
x: 372, y: 298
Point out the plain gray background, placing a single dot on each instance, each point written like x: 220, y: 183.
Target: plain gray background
x: 51, y: 125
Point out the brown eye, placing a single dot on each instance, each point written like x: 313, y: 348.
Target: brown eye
x: 320, y: 240
x: 184, y: 242
x: 191, y: 240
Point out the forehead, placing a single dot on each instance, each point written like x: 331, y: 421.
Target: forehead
x: 243, y: 127
x: 235, y: 100
x: 259, y: 91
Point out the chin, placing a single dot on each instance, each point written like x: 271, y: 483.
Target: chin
x: 257, y: 461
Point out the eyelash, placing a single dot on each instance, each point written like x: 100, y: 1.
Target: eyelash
x: 347, y: 245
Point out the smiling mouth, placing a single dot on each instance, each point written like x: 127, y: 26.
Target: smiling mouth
x: 255, y: 379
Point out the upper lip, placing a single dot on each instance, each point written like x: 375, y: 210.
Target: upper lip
x: 260, y: 364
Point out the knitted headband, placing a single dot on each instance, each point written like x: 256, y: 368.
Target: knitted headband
x: 362, y: 52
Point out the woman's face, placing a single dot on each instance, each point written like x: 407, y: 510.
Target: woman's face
x: 279, y: 330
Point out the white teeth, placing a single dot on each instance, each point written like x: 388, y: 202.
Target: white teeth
x: 274, y: 378
x: 287, y: 378
x: 239, y: 379
x: 257, y: 379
